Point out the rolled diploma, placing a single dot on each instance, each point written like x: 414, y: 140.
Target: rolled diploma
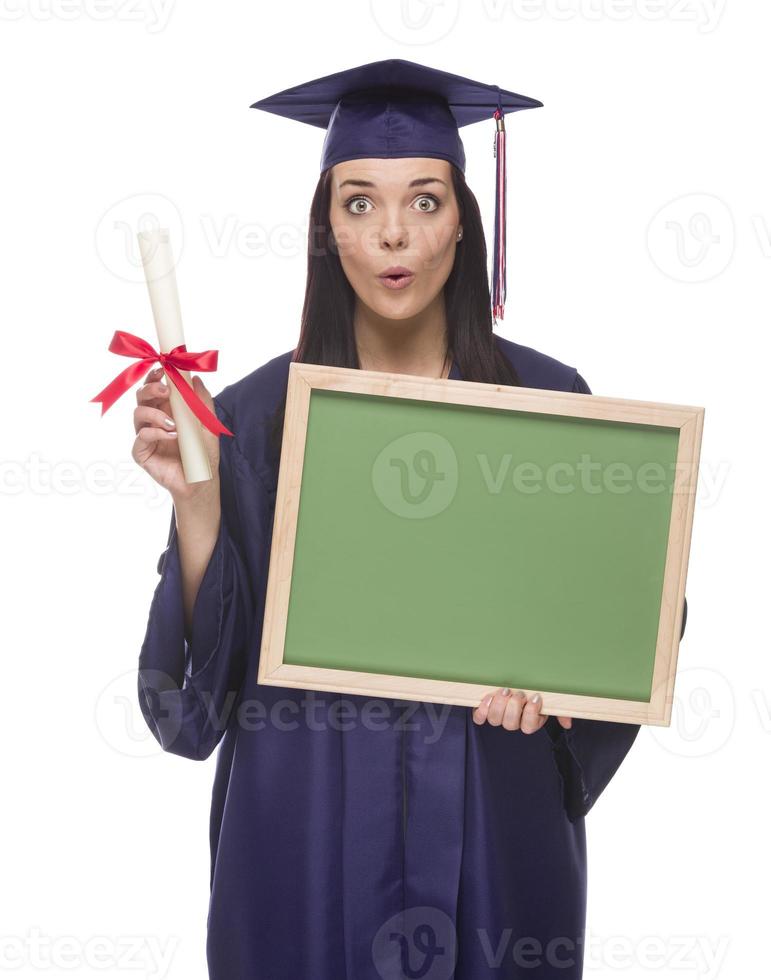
x: 158, y: 264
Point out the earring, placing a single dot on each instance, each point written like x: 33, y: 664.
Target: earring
x: 460, y: 235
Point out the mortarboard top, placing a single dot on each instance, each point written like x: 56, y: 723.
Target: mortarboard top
x: 397, y: 108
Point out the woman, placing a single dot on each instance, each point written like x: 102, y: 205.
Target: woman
x: 427, y: 840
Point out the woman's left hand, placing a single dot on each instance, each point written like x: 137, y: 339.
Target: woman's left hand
x: 514, y: 710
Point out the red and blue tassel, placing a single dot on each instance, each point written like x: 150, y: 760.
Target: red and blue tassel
x: 499, y: 236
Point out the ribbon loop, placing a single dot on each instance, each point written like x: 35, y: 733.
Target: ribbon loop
x: 178, y: 359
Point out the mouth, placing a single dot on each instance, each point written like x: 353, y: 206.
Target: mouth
x: 396, y: 278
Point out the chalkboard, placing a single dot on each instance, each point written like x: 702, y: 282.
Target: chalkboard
x: 436, y: 539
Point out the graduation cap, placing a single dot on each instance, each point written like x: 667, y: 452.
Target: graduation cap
x: 397, y: 108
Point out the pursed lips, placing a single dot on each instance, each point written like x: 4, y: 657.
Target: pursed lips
x: 396, y: 279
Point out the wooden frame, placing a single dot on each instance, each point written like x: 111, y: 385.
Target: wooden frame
x: 304, y: 378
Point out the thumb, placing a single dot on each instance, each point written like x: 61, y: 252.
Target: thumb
x: 203, y: 392
x: 201, y: 389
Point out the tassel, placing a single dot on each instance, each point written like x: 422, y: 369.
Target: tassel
x: 499, y: 235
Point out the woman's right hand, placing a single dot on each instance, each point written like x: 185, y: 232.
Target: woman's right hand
x: 156, y: 447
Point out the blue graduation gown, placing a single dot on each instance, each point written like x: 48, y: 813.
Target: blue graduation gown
x: 323, y: 834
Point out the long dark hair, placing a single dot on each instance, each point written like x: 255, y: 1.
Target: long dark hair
x: 326, y: 329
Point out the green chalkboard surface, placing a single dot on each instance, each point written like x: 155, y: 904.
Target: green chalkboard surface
x: 468, y: 543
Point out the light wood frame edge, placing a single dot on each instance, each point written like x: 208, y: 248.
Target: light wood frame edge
x: 303, y: 378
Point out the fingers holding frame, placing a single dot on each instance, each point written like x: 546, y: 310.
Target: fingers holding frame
x: 513, y: 711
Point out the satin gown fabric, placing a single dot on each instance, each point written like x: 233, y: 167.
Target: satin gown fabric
x: 356, y: 837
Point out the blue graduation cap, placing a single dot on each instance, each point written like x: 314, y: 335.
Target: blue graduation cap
x: 397, y: 108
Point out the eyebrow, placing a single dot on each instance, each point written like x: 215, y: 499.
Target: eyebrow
x: 418, y: 182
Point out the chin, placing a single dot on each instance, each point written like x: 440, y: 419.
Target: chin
x: 398, y: 315
x: 397, y: 309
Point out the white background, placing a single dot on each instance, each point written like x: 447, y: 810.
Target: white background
x: 639, y: 247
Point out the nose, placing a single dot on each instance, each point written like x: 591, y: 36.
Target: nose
x: 394, y: 235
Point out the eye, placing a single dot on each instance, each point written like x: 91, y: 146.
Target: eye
x: 427, y: 199
x: 356, y: 201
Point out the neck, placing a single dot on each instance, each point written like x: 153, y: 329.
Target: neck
x: 414, y: 345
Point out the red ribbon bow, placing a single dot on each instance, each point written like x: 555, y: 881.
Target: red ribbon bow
x: 129, y: 345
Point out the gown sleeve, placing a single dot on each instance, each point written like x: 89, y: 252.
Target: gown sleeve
x: 187, y: 689
x: 589, y: 752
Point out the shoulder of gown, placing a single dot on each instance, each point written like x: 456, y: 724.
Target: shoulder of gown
x: 537, y: 369
x: 249, y: 404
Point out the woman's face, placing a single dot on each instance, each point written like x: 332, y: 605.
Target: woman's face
x: 395, y: 214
